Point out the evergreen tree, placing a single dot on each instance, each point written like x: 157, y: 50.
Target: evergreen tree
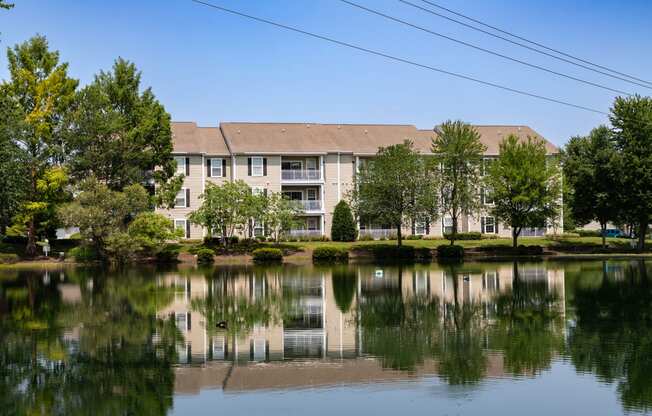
x: 343, y: 228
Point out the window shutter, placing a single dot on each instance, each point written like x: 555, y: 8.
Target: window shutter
x: 414, y: 227
x: 187, y: 166
x: 208, y: 167
x: 428, y: 227
x: 187, y: 229
x: 251, y: 227
x: 223, y: 167
x: 482, y: 225
x: 265, y: 191
x: 264, y: 166
x: 249, y: 166
x: 187, y: 198
x: 496, y: 225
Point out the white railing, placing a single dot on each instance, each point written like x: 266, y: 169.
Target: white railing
x: 377, y: 232
x: 304, y: 233
x: 310, y: 205
x: 300, y: 174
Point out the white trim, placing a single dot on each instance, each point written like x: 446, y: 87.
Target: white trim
x: 181, y: 167
x: 181, y: 191
x: 203, y: 189
x: 234, y: 165
x: 185, y: 226
x: 262, y: 166
x: 339, y: 180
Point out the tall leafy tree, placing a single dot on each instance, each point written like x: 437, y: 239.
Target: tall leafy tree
x: 525, y: 183
x: 120, y: 135
x: 591, y: 169
x: 459, y: 152
x: 397, y: 187
x: 13, y: 174
x: 280, y: 214
x: 343, y: 228
x: 42, y: 93
x: 631, y: 119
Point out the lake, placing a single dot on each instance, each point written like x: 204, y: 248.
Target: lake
x: 510, y: 338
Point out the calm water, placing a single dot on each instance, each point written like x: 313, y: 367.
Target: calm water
x: 478, y: 338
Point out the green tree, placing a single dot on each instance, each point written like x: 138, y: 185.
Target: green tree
x: 458, y: 151
x: 591, y: 169
x: 5, y: 5
x: 281, y: 215
x: 343, y: 228
x: 120, y: 135
x: 13, y: 174
x: 397, y: 187
x: 223, y: 208
x: 254, y: 209
x: 525, y: 185
x: 100, y: 212
x: 42, y: 93
x: 631, y: 119
x: 151, y: 231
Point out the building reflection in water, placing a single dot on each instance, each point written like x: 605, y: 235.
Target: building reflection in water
x: 309, y: 326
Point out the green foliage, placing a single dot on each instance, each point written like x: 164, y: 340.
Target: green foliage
x: 473, y: 235
x: 8, y: 258
x: 205, y: 256
x: 343, y: 227
x: 280, y: 215
x: 448, y: 251
x: 589, y: 233
x: 169, y: 253
x: 525, y: 184
x: 410, y: 179
x: 458, y: 150
x: 631, y: 118
x: 41, y: 94
x: 151, y: 231
x: 100, y: 212
x: 592, y: 171
x: 83, y: 254
x: 223, y: 208
x: 121, y: 246
x: 267, y: 255
x: 325, y: 254
x: 119, y: 134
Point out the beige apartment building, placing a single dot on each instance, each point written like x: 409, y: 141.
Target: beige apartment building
x: 314, y: 164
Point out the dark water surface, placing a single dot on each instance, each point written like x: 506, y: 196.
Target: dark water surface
x: 510, y: 338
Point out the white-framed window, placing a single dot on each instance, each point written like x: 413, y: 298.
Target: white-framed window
x: 419, y: 228
x: 293, y: 195
x: 311, y: 194
x: 312, y: 224
x: 487, y: 196
x: 489, y: 225
x: 257, y: 166
x: 181, y: 200
x: 181, y: 164
x: 292, y: 165
x: 257, y: 190
x: 182, y: 224
x: 311, y: 164
x: 447, y: 225
x: 259, y: 228
x: 216, y: 167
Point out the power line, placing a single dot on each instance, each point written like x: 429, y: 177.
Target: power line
x: 470, y: 45
x: 397, y: 59
x: 649, y: 84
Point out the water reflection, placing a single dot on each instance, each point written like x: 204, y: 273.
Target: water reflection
x: 129, y: 341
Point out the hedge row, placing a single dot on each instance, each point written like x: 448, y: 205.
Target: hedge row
x: 328, y: 254
x: 267, y: 255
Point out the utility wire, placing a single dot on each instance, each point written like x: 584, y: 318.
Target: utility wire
x: 629, y: 78
x: 397, y: 59
x: 470, y: 45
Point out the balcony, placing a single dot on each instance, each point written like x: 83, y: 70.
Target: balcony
x: 301, y: 175
x: 377, y: 233
x: 310, y: 205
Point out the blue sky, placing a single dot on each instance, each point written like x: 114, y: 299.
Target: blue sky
x: 208, y: 67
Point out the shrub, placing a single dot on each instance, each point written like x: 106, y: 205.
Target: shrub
x: 151, y: 230
x: 473, y: 235
x: 205, y: 256
x: 8, y: 258
x: 15, y: 239
x: 343, y: 228
x: 589, y: 233
x: 329, y: 254
x: 168, y: 254
x: 422, y: 254
x: 414, y: 237
x: 83, y: 254
x: 267, y: 255
x: 122, y: 247
x: 450, y: 251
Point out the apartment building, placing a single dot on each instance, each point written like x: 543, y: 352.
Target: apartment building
x: 314, y: 164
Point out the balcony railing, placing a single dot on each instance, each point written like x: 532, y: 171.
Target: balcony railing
x: 301, y: 174
x: 310, y: 205
x: 376, y: 233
